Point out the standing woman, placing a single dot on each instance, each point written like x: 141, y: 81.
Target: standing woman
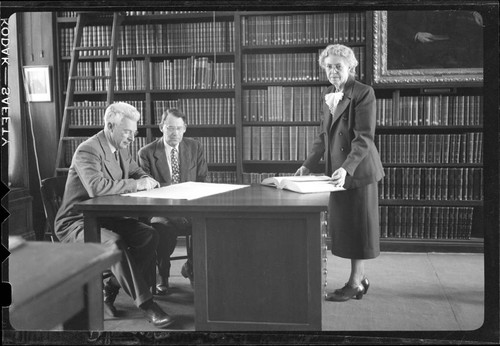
x: 346, y: 139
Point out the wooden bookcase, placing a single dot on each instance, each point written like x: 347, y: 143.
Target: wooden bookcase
x: 164, y: 60
x: 431, y: 144
x: 250, y: 82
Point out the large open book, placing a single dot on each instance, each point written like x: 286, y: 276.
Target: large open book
x: 303, y: 184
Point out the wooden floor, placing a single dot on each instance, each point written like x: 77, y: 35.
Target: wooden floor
x: 408, y: 292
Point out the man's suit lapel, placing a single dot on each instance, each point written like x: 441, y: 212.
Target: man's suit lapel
x: 344, y: 103
x: 161, y: 162
x: 112, y: 167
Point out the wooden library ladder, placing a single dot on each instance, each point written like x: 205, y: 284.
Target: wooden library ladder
x: 86, y: 19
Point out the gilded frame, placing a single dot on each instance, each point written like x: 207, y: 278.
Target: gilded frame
x: 398, y: 77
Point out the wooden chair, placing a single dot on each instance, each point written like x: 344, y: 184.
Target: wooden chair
x: 52, y: 190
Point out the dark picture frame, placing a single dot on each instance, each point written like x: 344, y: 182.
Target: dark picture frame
x: 454, y: 53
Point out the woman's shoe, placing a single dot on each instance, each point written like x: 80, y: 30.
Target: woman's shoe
x: 345, y: 293
x: 162, y: 289
x: 366, y: 284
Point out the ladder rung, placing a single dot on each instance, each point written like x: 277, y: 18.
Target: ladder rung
x: 89, y: 77
x: 94, y: 48
x: 73, y: 138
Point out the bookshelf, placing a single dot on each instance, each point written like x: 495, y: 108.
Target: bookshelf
x: 431, y: 145
x: 250, y: 85
x: 165, y: 59
x: 282, y: 83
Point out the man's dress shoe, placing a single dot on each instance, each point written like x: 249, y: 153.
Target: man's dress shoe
x: 162, y: 289
x: 187, y: 272
x: 158, y: 317
x: 110, y: 293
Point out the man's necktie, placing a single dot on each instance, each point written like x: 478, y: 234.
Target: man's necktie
x: 175, y: 166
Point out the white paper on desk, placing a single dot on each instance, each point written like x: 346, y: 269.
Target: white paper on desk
x: 187, y: 190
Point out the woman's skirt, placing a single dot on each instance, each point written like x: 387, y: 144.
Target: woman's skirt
x: 353, y: 222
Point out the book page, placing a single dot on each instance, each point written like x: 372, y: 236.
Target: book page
x: 188, y: 190
x: 311, y: 186
x: 280, y: 182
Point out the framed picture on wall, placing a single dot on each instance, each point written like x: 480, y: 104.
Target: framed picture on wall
x: 37, y: 83
x: 427, y: 47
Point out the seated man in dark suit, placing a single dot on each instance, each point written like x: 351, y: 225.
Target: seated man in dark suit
x: 173, y: 159
x: 102, y: 165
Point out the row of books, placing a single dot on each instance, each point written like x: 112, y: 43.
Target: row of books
x: 412, y: 183
x: 280, y: 103
x: 130, y: 13
x: 430, y: 148
x: 88, y: 69
x: 199, y: 111
x: 222, y: 177
x: 217, y: 149
x: 180, y: 74
x: 277, y: 142
x: 314, y: 28
x: 130, y: 75
x: 91, y: 113
x: 256, y: 178
x: 290, y: 67
x: 137, y: 144
x: 426, y: 222
x: 439, y: 110
x: 168, y: 38
x: 191, y: 73
x: 70, y: 148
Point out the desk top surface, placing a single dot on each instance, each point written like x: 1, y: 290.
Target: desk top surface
x: 255, y: 197
x: 37, y: 268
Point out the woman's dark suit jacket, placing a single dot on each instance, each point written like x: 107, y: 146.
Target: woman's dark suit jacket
x: 347, y: 137
x: 347, y: 140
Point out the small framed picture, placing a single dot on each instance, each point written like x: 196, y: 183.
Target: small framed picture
x: 37, y: 81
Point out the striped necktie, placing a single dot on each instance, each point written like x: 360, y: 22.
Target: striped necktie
x: 175, y: 166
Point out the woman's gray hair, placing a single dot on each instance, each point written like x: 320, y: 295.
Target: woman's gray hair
x: 117, y: 111
x: 339, y: 50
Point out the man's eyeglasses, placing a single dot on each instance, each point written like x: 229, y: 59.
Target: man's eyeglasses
x: 129, y: 133
x: 172, y: 129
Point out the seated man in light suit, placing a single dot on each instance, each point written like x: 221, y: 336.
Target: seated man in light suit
x: 102, y: 165
x: 186, y: 163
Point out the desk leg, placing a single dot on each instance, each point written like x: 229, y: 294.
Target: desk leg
x: 91, y: 316
x: 94, y: 309
x: 91, y: 230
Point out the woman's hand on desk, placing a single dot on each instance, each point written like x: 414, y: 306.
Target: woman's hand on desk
x: 338, y: 177
x: 303, y: 171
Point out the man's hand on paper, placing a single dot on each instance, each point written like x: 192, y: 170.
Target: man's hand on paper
x: 147, y: 183
x: 302, y: 171
x: 338, y: 177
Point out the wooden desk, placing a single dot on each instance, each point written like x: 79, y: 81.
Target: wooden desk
x: 257, y: 254
x: 56, y: 284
